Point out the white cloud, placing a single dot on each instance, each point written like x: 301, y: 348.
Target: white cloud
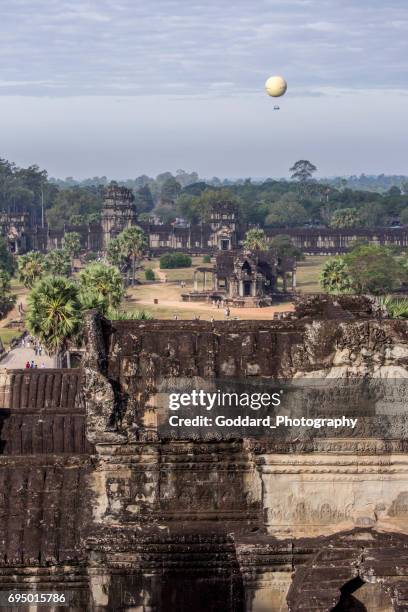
x: 127, y: 86
x: 323, y: 26
x: 100, y: 43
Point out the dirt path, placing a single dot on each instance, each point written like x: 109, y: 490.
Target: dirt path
x: 14, y: 314
x: 168, y: 296
x: 160, y: 275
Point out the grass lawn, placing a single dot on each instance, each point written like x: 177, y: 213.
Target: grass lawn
x: 177, y: 274
x: 6, y: 335
x: 308, y: 272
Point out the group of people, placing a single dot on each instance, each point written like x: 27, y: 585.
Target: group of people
x: 220, y: 303
x: 31, y: 364
x: 29, y: 342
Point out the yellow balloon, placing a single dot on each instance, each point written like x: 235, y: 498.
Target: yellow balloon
x: 276, y: 86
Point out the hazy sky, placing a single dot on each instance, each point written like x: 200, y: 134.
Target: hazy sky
x: 125, y: 87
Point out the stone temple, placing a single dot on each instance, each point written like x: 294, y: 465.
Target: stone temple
x: 96, y: 501
x: 224, y: 230
x: 251, y: 278
x: 243, y: 278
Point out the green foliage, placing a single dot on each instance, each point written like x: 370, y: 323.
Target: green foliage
x: 115, y: 254
x: 286, y: 212
x: 58, y: 262
x: 149, y: 274
x: 197, y: 208
x: 74, y: 205
x: 100, y: 285
x: 397, y: 308
x: 94, y: 217
x: 188, y: 207
x: 284, y: 247
x: 54, y: 312
x: 175, y: 260
x: 135, y: 315
x: 404, y: 216
x: 133, y: 244
x: 378, y: 200
x: 166, y: 212
x: 373, y: 269
x: 373, y: 214
x: 7, y: 262
x: 207, y: 259
x: 170, y: 190
x: 302, y: 170
x: 71, y: 243
x: 93, y: 300
x: 77, y: 220
x: 367, y: 269
x: 31, y: 268
x: 143, y: 200
x: 345, y: 218
x: 22, y: 189
x: 256, y: 239
x: 7, y: 300
x: 90, y: 256
x: 335, y: 276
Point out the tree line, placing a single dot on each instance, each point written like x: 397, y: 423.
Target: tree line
x: 300, y: 201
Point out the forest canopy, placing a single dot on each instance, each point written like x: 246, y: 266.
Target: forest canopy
x: 283, y: 203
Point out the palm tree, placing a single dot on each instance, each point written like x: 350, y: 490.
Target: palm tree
x: 134, y: 243
x: 105, y: 281
x: 397, y: 308
x: 71, y: 244
x: 115, y: 255
x: 93, y: 300
x: 31, y: 267
x: 256, y: 240
x: 54, y: 312
x: 335, y: 276
x: 58, y: 262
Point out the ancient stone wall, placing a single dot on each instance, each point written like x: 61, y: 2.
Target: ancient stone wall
x: 96, y: 499
x: 44, y: 460
x: 332, y: 241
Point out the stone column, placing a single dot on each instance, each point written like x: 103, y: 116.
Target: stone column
x: 294, y: 280
x: 253, y: 288
x: 284, y: 282
x: 241, y: 288
x: 204, y: 281
x: 195, y: 281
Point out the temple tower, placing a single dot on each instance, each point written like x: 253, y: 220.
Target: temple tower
x: 119, y: 212
x: 224, y: 226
